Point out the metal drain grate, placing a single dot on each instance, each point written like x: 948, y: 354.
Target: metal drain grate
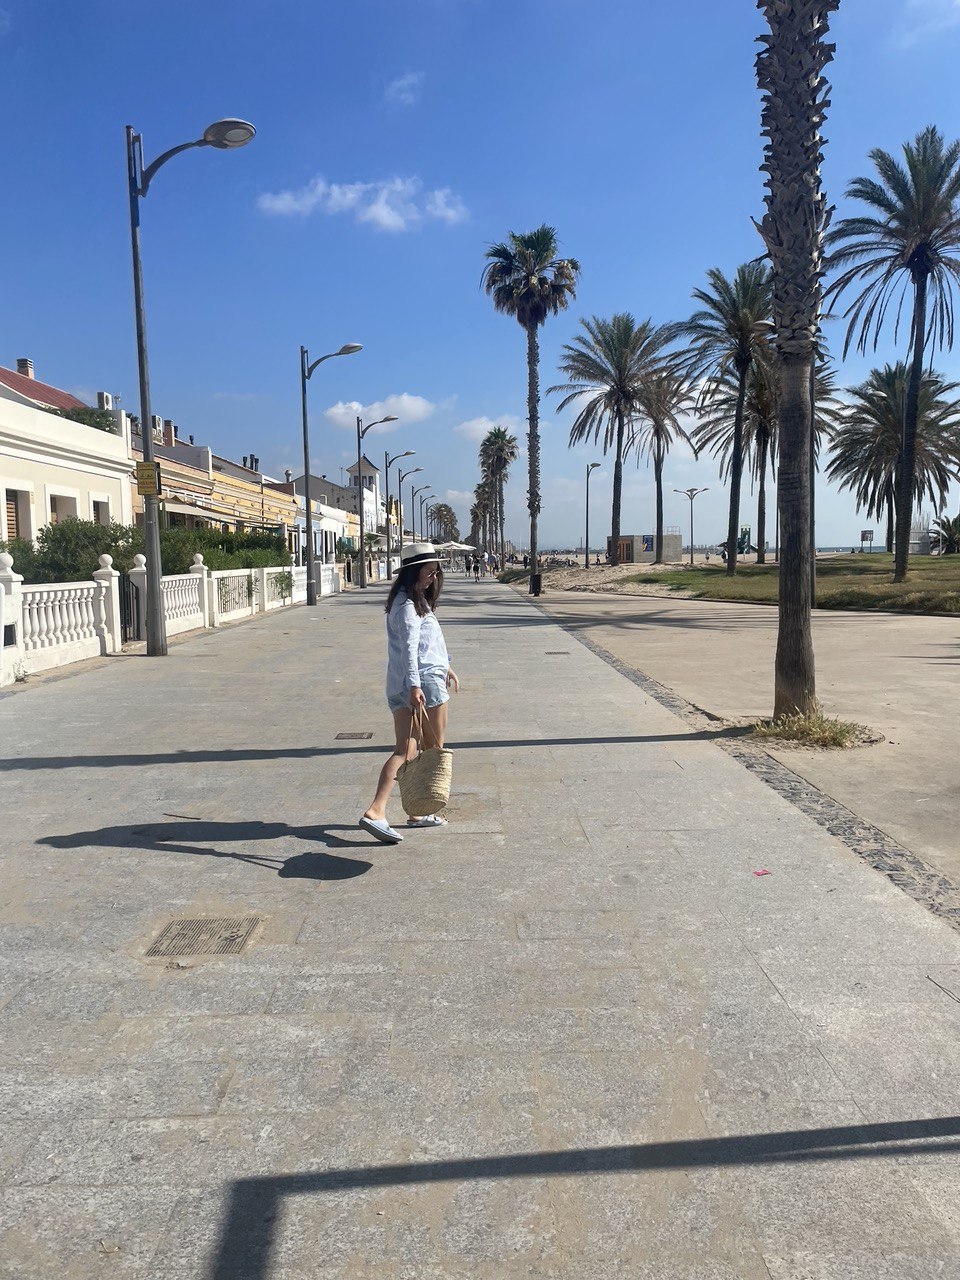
x: 211, y: 936
x: 557, y: 653
x: 354, y: 737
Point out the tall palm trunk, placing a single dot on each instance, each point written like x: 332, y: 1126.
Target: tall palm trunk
x: 890, y: 505
x: 658, y: 480
x: 617, y: 492
x: 763, y: 444
x: 795, y: 688
x: 736, y: 474
x: 503, y: 518
x: 908, y: 447
x: 795, y: 100
x: 533, y: 443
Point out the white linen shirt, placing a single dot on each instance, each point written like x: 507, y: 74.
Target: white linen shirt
x: 413, y: 645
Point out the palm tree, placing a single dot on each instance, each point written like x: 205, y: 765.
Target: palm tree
x: 498, y: 451
x: 665, y: 394
x: 795, y: 99
x: 910, y: 239
x: 726, y: 337
x: 484, y: 497
x: 946, y: 535
x: 443, y: 522
x: 761, y: 411
x: 866, y: 446
x: 528, y: 281
x: 607, y: 364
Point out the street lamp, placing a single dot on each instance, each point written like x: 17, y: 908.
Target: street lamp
x: 387, y: 464
x: 306, y: 371
x: 424, y: 499
x: 361, y: 432
x: 412, y: 472
x: 586, y: 539
x: 224, y: 135
x: 691, y: 494
x: 424, y: 488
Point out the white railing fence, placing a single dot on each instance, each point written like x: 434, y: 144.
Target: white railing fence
x: 53, y: 624
x: 56, y: 623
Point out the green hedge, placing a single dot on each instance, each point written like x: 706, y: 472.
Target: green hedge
x: 70, y: 551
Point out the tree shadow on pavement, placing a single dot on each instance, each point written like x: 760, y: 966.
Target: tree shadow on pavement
x: 189, y: 835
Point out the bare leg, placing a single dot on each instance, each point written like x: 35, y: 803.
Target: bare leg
x: 405, y: 748
x: 437, y: 719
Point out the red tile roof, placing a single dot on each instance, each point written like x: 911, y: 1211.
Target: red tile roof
x: 39, y: 392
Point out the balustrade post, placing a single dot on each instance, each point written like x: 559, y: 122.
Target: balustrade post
x: 206, y: 595
x: 109, y: 628
x: 262, y: 587
x: 11, y: 618
x: 138, y: 576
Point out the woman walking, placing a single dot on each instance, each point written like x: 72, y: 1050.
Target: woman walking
x: 419, y: 676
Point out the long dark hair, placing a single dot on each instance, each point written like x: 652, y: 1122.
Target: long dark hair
x: 423, y: 601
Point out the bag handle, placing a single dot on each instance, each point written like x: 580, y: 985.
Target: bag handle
x: 421, y: 722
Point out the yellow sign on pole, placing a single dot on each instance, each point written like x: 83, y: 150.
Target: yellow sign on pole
x: 148, y: 479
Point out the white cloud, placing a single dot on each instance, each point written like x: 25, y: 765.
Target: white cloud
x: 405, y: 407
x: 446, y: 206
x: 923, y: 19
x: 393, y: 204
x: 474, y: 429
x: 405, y: 90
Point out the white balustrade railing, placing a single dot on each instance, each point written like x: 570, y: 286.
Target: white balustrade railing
x: 53, y: 624
x: 184, y: 605
x: 56, y: 623
x: 58, y: 614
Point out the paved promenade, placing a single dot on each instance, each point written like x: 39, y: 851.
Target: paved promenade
x: 895, y: 673
x: 572, y: 1036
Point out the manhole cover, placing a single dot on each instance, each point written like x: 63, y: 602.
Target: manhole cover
x: 357, y: 737
x: 211, y: 936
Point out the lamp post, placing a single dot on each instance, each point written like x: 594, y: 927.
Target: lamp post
x: 387, y: 464
x: 586, y: 538
x: 224, y: 135
x: 424, y: 488
x: 361, y: 432
x: 412, y: 472
x: 691, y: 494
x: 424, y: 499
x: 306, y: 371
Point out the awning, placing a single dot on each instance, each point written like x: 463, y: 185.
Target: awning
x: 184, y: 508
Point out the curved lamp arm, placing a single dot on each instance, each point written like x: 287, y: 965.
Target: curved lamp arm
x: 223, y: 134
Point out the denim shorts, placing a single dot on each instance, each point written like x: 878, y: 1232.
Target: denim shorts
x: 433, y: 682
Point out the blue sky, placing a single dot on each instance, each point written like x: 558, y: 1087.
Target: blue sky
x: 396, y: 140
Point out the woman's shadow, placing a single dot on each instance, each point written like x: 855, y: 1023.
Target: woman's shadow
x: 188, y: 835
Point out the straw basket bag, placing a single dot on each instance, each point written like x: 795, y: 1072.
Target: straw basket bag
x: 425, y: 780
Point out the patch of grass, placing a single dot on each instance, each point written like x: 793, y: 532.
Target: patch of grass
x: 513, y: 575
x: 816, y: 730
x: 843, y: 582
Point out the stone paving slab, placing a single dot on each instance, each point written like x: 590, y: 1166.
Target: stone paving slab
x: 570, y: 1036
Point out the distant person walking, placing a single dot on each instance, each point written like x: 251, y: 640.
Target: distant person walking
x: 419, y: 675
x: 476, y: 568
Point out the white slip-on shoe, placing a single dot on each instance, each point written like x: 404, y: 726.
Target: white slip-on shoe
x: 381, y: 830
x: 431, y: 820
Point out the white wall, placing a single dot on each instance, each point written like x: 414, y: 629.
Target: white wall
x: 43, y: 456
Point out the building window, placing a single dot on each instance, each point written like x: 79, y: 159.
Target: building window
x: 62, y: 508
x: 101, y: 512
x: 15, y: 527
